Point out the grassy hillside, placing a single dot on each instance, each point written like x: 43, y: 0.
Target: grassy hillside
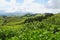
x: 30, y: 27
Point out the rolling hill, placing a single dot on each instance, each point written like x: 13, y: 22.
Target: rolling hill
x: 30, y: 27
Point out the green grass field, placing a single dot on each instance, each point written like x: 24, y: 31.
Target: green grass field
x: 30, y: 27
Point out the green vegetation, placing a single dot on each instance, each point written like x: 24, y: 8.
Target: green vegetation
x: 30, y: 27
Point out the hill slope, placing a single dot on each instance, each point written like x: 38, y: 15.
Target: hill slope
x: 30, y: 27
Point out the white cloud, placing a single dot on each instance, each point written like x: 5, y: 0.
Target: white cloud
x: 54, y: 4
x: 28, y: 1
x: 30, y: 6
x: 26, y: 6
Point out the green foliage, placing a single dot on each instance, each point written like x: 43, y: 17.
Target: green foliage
x: 30, y: 27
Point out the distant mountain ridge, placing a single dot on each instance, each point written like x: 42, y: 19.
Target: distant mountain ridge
x: 18, y: 13
x: 2, y: 13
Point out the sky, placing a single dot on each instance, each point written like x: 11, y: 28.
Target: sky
x: 34, y: 6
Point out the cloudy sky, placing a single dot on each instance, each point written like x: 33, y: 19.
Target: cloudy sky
x: 35, y: 6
